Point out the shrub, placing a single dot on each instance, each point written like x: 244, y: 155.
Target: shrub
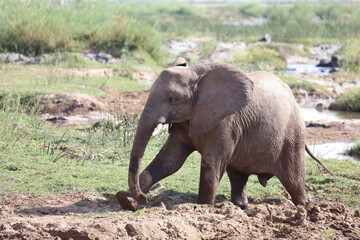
x: 35, y: 27
x: 348, y: 101
x: 354, y: 151
x: 131, y: 34
x: 32, y: 28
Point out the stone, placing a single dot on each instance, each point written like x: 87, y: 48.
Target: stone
x: 266, y: 38
x: 127, y: 201
x: 225, y: 51
x: 334, y: 61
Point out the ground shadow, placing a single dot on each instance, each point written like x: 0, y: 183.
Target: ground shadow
x: 108, y: 203
x: 101, y: 204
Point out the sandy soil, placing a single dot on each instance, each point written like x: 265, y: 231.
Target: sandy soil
x: 333, y: 131
x: 171, y: 216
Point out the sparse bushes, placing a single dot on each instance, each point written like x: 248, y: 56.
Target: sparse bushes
x: 124, y: 33
x: 19, y: 120
x: 33, y: 27
x: 354, y: 151
x: 348, y: 101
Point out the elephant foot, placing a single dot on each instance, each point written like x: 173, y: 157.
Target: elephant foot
x: 241, y: 202
x: 127, y: 201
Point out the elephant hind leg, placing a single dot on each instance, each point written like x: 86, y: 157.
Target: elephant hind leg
x: 296, y: 191
x: 238, y: 187
x: 292, y: 171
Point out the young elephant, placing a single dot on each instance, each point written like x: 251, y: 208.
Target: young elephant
x: 240, y: 123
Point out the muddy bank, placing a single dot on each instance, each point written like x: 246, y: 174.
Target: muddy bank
x: 87, y: 216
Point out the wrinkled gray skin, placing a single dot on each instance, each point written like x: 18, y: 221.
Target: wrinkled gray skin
x: 240, y: 123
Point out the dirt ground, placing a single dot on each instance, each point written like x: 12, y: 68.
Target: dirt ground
x: 171, y: 216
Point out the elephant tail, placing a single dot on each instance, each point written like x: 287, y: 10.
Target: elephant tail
x: 316, y: 159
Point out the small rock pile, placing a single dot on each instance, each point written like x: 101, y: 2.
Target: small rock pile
x: 17, y: 58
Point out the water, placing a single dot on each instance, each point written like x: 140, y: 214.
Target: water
x: 313, y: 115
x: 331, y: 150
x: 80, y: 120
x: 247, y: 22
x: 306, y: 68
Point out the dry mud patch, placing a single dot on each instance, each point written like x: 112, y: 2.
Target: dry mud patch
x: 89, y: 216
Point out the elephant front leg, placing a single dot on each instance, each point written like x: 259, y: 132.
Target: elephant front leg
x: 210, y: 175
x: 238, y: 187
x: 170, y: 159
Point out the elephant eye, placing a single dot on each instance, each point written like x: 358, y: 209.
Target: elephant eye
x: 172, y: 99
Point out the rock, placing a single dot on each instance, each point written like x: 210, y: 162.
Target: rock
x: 357, y: 213
x: 225, y: 51
x: 144, y: 75
x: 127, y: 201
x: 324, y: 51
x: 266, y: 38
x: 131, y: 231
x: 334, y: 62
x: 316, y: 125
x: 187, y: 49
x: 322, y: 106
x: 17, y: 58
x: 57, y: 119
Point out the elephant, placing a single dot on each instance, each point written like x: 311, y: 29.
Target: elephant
x: 241, y: 123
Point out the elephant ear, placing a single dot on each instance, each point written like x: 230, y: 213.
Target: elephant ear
x: 180, y: 62
x: 222, y: 90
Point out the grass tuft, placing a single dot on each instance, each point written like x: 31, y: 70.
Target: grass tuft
x: 348, y: 101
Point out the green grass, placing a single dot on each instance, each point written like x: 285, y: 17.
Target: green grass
x: 296, y: 84
x: 284, y: 23
x: 270, y: 57
x: 351, y: 53
x: 30, y: 80
x: 71, y: 60
x: 348, y: 101
x: 34, y: 27
x: 354, y: 151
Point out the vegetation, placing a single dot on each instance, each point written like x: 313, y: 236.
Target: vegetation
x: 266, y: 56
x: 296, y: 84
x: 348, y: 101
x: 354, y: 151
x: 351, y: 53
x: 291, y: 23
x: 34, y: 27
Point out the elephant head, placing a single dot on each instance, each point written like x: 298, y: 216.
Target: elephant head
x: 203, y: 95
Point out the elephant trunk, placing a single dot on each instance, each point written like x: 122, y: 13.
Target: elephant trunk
x: 144, y: 131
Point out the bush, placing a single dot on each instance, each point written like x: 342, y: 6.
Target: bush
x: 261, y: 57
x: 251, y: 10
x: 354, y: 151
x: 34, y: 27
x: 348, y: 101
x: 129, y: 34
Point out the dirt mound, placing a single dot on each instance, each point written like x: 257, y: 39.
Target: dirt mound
x: 170, y: 216
x: 70, y: 104
x: 55, y: 103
